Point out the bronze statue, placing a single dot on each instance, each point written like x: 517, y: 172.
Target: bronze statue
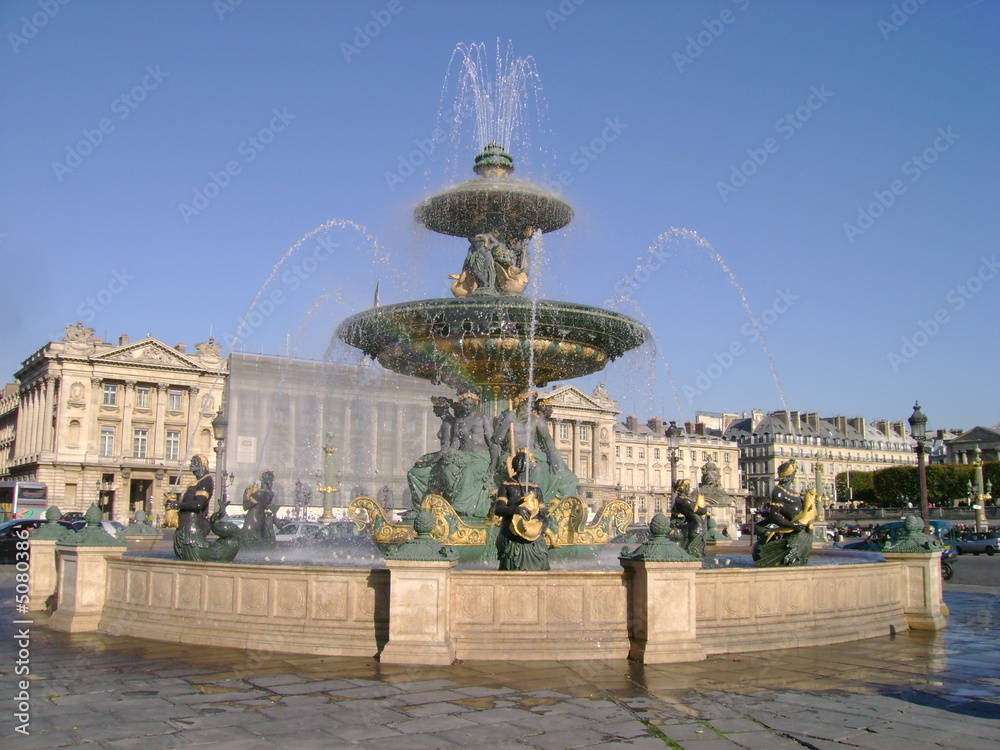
x: 426, y: 475
x: 479, y: 274
x: 691, y: 512
x: 258, y: 523
x: 521, y: 544
x: 191, y: 538
x: 468, y: 466
x: 527, y: 426
x: 784, y: 531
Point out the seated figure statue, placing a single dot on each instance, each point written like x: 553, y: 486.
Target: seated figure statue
x: 258, y: 502
x: 521, y: 544
x: 526, y: 426
x: 468, y: 466
x: 426, y: 476
x: 191, y: 538
x: 784, y: 531
x: 691, y: 512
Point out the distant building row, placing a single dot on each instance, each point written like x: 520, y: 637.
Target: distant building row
x: 116, y: 424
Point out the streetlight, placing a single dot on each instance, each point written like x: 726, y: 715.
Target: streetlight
x: 673, y: 435
x: 220, y: 425
x: 918, y: 429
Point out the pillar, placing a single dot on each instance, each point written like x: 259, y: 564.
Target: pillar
x: 419, y: 616
x: 662, y: 611
x: 921, y: 589
x: 83, y: 575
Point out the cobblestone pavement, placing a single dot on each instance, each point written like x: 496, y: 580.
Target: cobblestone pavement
x: 912, y: 691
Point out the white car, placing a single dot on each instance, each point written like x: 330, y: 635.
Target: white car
x: 292, y: 531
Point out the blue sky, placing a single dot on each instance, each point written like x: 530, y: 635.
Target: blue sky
x: 840, y: 157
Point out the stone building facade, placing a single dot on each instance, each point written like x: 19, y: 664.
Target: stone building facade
x: 631, y: 460
x: 837, y: 444
x: 112, y: 424
x: 961, y: 448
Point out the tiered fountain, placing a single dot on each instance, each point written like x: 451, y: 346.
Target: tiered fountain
x: 493, y: 341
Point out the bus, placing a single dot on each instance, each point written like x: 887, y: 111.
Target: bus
x: 22, y: 500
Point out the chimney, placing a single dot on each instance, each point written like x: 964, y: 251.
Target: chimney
x: 699, y: 429
x: 812, y: 419
x: 656, y: 425
x: 123, y: 339
x: 689, y: 428
x: 794, y: 423
x: 632, y: 423
x: 858, y: 423
x: 900, y: 429
x: 182, y: 348
x: 840, y: 423
x: 882, y: 425
x: 757, y: 415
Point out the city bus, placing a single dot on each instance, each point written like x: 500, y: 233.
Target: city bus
x: 22, y: 500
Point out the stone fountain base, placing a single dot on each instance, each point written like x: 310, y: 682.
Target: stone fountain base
x: 433, y: 613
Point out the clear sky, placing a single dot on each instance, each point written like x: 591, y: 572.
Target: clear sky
x: 841, y: 157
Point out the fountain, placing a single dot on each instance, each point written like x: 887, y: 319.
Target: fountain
x: 493, y: 344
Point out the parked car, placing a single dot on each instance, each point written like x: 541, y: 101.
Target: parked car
x: 892, y: 532
x: 296, y: 529
x: 115, y: 528
x: 975, y: 544
x: 10, y: 534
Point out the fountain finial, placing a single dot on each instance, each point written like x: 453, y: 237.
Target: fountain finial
x: 493, y: 162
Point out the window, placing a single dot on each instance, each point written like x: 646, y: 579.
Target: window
x: 642, y: 453
x: 110, y: 394
x: 140, y: 440
x: 107, y: 446
x: 584, y: 434
x: 628, y: 452
x: 618, y: 451
x: 726, y: 457
x: 173, y: 445
x: 564, y: 431
x: 174, y: 400
x: 142, y: 398
x: 656, y: 453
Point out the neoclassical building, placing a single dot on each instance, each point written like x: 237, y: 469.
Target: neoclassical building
x: 837, y: 444
x: 629, y: 459
x: 112, y: 424
x: 961, y: 448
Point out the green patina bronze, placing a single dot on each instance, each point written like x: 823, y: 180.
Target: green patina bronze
x: 140, y: 528
x: 93, y: 534
x: 51, y: 529
x: 423, y: 547
x: 661, y: 548
x: 915, y: 540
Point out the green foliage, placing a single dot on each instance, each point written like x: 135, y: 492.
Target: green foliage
x: 862, y: 490
x: 896, y: 484
x: 885, y: 487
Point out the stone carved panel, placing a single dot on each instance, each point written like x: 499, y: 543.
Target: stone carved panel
x: 220, y: 594
x: 137, y: 587
x: 564, y: 603
x: 330, y: 600
x: 475, y: 604
x: 189, y: 591
x: 796, y: 597
x: 766, y: 599
x: 253, y: 597
x: 161, y: 589
x: 290, y: 598
x: 518, y: 604
x: 606, y: 605
x: 116, y: 585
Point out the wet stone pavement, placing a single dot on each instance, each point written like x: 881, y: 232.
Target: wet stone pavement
x: 912, y: 691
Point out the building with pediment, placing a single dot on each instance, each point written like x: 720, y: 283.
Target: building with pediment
x: 961, y: 448
x: 112, y: 424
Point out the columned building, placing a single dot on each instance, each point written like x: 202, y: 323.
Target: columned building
x: 631, y: 460
x: 111, y: 424
x: 837, y: 444
x: 961, y: 448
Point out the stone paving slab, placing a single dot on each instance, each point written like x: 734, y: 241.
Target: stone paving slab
x: 907, y: 691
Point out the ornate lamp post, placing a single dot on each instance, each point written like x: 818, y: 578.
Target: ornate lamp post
x: 220, y: 425
x: 918, y: 429
x: 329, y: 476
x: 673, y: 434
x: 981, y: 493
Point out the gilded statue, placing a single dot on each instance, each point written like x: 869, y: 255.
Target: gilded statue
x: 784, y: 531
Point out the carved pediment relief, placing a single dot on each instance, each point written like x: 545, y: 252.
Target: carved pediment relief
x: 148, y: 353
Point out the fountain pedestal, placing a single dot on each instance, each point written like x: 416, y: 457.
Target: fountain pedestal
x: 662, y: 612
x: 923, y: 603
x: 419, y: 596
